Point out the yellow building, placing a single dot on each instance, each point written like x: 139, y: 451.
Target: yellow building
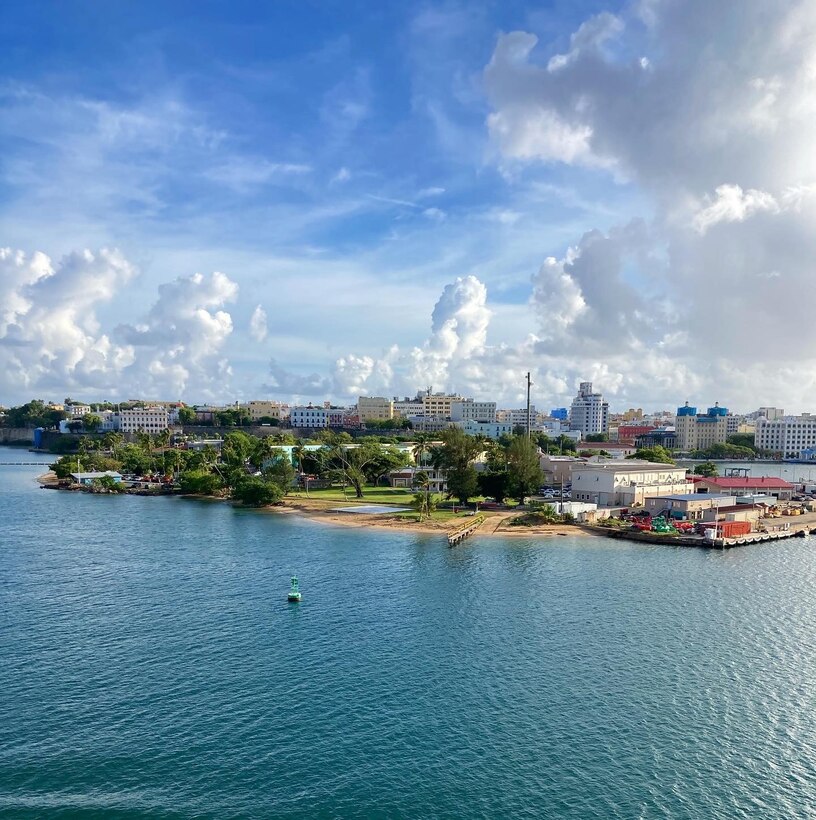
x: 375, y: 408
x: 439, y: 404
x: 263, y: 409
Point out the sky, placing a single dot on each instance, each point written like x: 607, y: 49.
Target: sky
x: 217, y: 202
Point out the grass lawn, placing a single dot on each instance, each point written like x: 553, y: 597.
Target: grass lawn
x: 436, y: 515
x: 371, y: 495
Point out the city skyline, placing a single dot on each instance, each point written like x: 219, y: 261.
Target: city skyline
x: 308, y: 202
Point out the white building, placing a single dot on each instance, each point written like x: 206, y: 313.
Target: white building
x: 589, y: 413
x: 492, y: 430
x: 518, y: 418
x: 471, y: 410
x: 309, y: 416
x: 624, y: 484
x: 77, y: 410
x: 788, y: 436
x: 144, y: 419
x: 405, y: 408
x: 110, y: 421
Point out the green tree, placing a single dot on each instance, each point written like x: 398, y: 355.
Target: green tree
x: 456, y: 456
x: 523, y: 468
x: 200, y: 482
x: 111, y: 440
x: 91, y: 422
x: 707, y: 469
x: 108, y: 483
x: 186, y: 416
x: 743, y: 440
x: 358, y: 464
x: 281, y: 471
x: 597, y: 437
x: 656, y: 454
x: 237, y: 448
x: 424, y: 502
x: 494, y: 484
x: 257, y: 492
x: 134, y: 460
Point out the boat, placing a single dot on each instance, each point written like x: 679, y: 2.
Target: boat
x: 294, y: 595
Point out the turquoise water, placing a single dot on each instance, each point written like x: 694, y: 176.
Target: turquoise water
x: 150, y: 667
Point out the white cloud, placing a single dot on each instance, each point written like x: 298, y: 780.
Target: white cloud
x: 257, y: 324
x: 732, y: 204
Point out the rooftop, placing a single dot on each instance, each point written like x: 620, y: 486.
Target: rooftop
x: 694, y: 497
x: 731, y: 482
x: 630, y: 466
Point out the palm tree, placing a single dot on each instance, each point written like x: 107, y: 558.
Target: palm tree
x: 112, y: 440
x: 422, y: 446
x: 298, y: 451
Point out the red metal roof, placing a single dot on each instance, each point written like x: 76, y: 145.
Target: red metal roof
x: 735, y: 483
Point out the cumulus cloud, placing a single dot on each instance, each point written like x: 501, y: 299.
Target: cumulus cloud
x: 49, y: 332
x: 181, y: 337
x: 52, y: 336
x: 713, y: 135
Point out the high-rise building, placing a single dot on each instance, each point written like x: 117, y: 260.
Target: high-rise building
x: 589, y: 413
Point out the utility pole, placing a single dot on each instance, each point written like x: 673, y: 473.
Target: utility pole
x: 529, y: 384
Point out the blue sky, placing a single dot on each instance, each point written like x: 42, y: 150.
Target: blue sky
x: 342, y: 164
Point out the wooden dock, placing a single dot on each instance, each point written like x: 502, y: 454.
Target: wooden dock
x: 465, y: 531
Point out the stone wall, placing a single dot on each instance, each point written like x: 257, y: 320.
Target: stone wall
x: 9, y: 435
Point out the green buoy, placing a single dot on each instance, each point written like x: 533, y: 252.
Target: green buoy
x: 294, y: 592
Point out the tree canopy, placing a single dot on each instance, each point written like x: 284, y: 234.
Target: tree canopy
x: 657, y: 454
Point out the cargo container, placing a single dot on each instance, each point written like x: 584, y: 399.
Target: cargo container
x: 733, y: 529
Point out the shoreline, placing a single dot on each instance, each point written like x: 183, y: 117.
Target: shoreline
x: 496, y: 523
x: 326, y: 512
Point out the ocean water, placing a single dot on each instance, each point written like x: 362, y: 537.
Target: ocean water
x: 151, y: 667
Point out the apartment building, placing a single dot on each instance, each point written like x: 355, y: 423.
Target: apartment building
x: 405, y: 408
x: 77, y: 410
x: 439, y: 404
x: 375, y: 408
x: 472, y: 410
x: 589, y: 413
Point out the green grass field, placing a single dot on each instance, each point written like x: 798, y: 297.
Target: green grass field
x: 371, y: 495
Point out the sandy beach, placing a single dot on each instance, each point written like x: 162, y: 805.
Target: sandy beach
x: 496, y: 522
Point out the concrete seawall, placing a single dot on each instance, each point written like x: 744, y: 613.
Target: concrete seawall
x: 16, y: 435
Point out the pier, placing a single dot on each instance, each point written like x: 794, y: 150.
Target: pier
x: 465, y: 531
x: 699, y: 541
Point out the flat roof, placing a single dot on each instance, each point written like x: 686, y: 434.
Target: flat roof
x: 631, y: 465
x: 693, y: 497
